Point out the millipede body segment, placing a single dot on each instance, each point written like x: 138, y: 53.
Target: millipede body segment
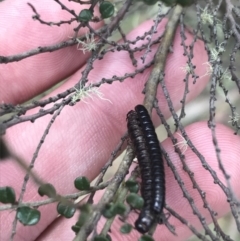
x: 146, y: 146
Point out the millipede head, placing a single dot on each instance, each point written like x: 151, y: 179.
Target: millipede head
x: 144, y: 221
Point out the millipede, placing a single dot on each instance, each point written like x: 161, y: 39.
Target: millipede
x: 146, y: 146
x: 157, y: 166
x: 146, y: 217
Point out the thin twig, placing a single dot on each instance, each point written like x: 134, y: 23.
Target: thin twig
x: 186, y: 194
x: 27, y: 176
x: 39, y: 50
x: 229, y: 8
x: 184, y: 221
x: 160, y: 59
x: 55, y: 199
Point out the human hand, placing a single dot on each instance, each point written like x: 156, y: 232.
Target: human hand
x: 82, y: 137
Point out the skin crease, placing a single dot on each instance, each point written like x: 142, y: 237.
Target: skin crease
x: 83, y: 136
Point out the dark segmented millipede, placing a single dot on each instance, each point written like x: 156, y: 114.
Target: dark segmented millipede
x: 157, y: 167
x: 146, y: 145
x: 147, y: 216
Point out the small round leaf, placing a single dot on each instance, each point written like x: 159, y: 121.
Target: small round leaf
x: 126, y: 228
x: 135, y: 201
x: 75, y: 228
x: 28, y: 216
x: 65, y: 210
x: 146, y: 238
x: 119, y: 208
x: 82, y: 183
x: 7, y: 195
x: 85, y: 15
x: 132, y: 186
x: 130, y: 183
x: 106, y: 9
x: 108, y: 211
x: 47, y: 189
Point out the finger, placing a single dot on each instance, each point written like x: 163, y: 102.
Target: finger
x: 31, y: 76
x: 201, y: 137
x: 82, y: 137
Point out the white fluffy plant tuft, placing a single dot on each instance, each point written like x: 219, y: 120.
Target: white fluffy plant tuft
x: 87, y: 92
x: 90, y: 44
x: 183, y: 144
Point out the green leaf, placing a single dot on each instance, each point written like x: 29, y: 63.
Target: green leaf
x: 146, y: 238
x: 66, y: 210
x: 75, y: 228
x: 150, y: 2
x: 108, y: 211
x: 82, y: 183
x: 135, y: 201
x: 106, y: 9
x: 132, y: 186
x: 119, y: 208
x: 102, y: 238
x: 47, y: 189
x: 130, y: 183
x: 28, y: 216
x: 126, y: 228
x: 85, y: 15
x: 7, y: 195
